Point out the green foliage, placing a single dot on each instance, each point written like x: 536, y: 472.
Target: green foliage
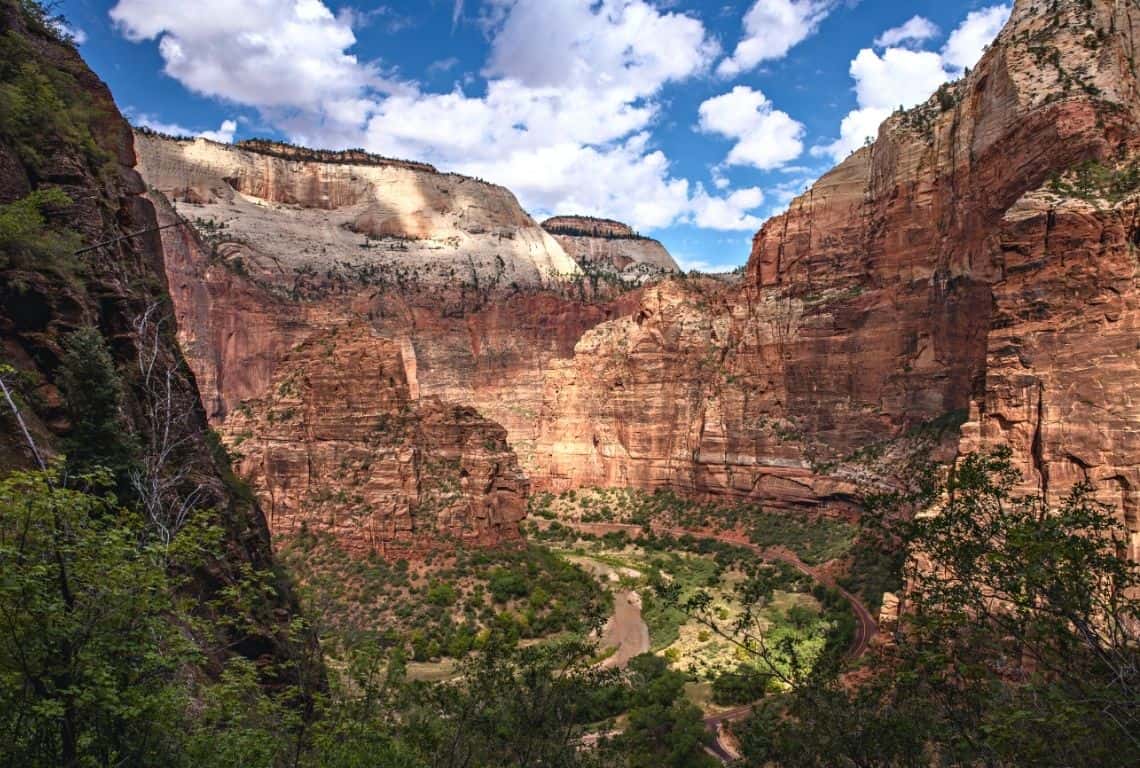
x: 42, y: 105
x: 1019, y: 646
x: 743, y: 685
x: 506, y: 585
x: 1094, y: 181
x: 814, y: 539
x: 25, y: 236
x: 528, y: 593
x: 93, y: 393
x: 88, y: 653
x: 512, y: 707
x: 664, y: 728
x: 441, y: 593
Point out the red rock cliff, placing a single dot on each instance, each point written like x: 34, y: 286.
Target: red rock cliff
x: 977, y: 264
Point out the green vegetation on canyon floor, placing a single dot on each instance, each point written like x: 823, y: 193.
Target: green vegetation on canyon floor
x: 103, y: 659
x: 814, y: 540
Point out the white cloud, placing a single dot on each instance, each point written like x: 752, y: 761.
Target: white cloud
x: 626, y: 46
x: 728, y: 213
x: 69, y: 32
x: 766, y: 138
x: 283, y: 55
x: 771, y: 29
x: 224, y: 134
x: 918, y: 29
x: 901, y: 77
x: 689, y: 264
x: 624, y: 181
x: 563, y: 120
x: 969, y: 40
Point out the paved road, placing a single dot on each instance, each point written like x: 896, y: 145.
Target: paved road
x: 865, y: 625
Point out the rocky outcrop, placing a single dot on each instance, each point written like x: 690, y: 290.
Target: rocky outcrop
x: 98, y: 263
x: 338, y: 445
x: 591, y: 241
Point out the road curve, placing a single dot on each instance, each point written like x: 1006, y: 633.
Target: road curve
x: 865, y: 625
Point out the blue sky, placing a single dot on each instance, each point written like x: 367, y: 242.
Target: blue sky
x: 692, y: 120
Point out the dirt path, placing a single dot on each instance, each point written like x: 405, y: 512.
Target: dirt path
x: 865, y: 625
x: 626, y: 630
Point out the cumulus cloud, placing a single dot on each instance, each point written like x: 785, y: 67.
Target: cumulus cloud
x: 626, y: 46
x: 766, y: 138
x: 278, y: 55
x: 902, y: 77
x: 563, y: 119
x: 224, y: 134
x: 771, y: 29
x: 918, y: 29
x: 969, y: 40
x: 728, y: 213
x: 897, y: 77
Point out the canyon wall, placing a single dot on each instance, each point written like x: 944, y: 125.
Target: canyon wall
x: 97, y: 263
x: 973, y: 268
x: 338, y: 445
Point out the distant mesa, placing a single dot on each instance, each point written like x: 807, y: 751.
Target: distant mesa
x: 588, y: 226
x: 592, y: 241
x: 296, y: 212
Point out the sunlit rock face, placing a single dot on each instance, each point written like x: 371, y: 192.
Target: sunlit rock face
x: 973, y: 267
x: 990, y: 235
x: 350, y: 217
x: 602, y: 241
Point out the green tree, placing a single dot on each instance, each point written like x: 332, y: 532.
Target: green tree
x: 664, y: 729
x: 93, y: 393
x: 87, y: 647
x: 512, y: 707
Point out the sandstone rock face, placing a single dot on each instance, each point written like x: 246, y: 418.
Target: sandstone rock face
x: 976, y: 264
x: 1062, y: 357
x: 602, y: 241
x: 349, y: 218
x: 996, y: 291
x: 338, y: 445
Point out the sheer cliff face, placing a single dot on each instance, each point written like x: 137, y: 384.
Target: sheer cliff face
x: 991, y: 233
x: 45, y: 298
x: 976, y: 264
